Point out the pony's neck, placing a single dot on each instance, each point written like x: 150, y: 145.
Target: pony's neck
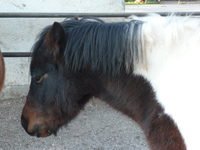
x: 130, y: 96
x: 135, y: 98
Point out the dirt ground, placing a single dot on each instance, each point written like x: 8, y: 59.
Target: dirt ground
x: 98, y: 127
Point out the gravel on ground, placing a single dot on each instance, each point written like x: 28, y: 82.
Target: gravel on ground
x: 97, y: 127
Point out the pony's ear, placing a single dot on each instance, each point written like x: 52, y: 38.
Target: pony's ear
x: 55, y: 37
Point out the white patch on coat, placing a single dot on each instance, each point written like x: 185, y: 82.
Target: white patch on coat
x: 172, y: 46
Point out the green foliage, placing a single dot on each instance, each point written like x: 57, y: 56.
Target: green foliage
x: 128, y: 0
x: 135, y: 2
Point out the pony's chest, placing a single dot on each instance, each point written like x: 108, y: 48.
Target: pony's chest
x: 177, y: 89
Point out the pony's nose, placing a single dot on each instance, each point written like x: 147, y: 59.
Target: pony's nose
x: 35, y: 131
x: 38, y: 130
x: 24, y: 122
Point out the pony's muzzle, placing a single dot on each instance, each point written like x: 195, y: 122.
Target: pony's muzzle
x: 24, y: 122
x: 37, y: 130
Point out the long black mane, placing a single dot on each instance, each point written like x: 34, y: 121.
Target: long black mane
x: 107, y: 46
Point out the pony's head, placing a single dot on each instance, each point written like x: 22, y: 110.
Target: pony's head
x: 70, y: 63
x: 55, y: 96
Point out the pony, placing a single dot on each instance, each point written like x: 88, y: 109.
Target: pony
x: 146, y: 68
x: 2, y: 71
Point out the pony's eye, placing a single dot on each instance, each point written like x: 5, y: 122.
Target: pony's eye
x: 39, y: 79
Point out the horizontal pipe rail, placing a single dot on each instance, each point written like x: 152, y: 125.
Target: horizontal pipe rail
x: 64, y: 15
x: 16, y: 54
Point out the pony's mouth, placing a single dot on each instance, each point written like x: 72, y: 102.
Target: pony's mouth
x: 41, y: 131
x: 52, y: 131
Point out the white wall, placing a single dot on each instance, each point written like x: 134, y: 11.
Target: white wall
x: 62, y: 6
x: 18, y: 34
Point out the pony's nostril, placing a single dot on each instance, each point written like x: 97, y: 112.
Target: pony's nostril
x: 24, y: 122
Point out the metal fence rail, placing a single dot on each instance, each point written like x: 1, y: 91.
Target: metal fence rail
x: 65, y: 15
x: 16, y: 54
